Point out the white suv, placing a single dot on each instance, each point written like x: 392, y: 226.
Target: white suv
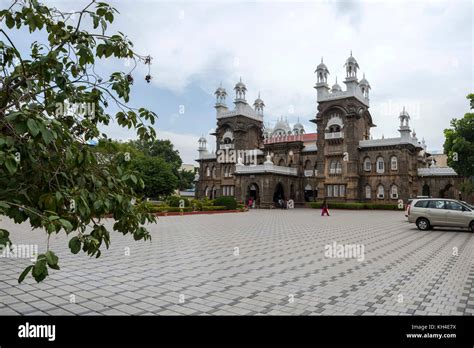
x: 429, y: 212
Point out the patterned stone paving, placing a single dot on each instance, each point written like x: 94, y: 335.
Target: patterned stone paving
x: 265, y: 262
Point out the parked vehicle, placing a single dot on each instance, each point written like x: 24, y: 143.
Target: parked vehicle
x: 407, y: 205
x: 429, y: 212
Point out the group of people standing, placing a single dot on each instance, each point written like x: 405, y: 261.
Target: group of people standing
x: 282, y: 203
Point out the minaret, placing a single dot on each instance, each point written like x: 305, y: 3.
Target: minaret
x: 321, y: 86
x: 259, y: 105
x: 404, y: 125
x: 202, y: 149
x: 240, y: 90
x: 364, y: 87
x: 220, y: 94
x: 351, y: 66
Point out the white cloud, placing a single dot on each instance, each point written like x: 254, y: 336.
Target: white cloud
x: 411, y: 52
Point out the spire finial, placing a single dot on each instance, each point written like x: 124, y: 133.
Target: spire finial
x: 240, y: 78
x: 404, y: 108
x: 351, y: 53
x: 321, y: 59
x: 258, y: 94
x: 336, y: 79
x: 363, y: 75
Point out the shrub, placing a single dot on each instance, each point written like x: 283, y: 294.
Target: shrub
x: 196, y: 204
x: 173, y: 201
x: 213, y: 207
x: 161, y: 209
x: 369, y: 206
x: 206, y: 201
x: 229, y: 202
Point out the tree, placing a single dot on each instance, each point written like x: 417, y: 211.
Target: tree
x: 51, y: 105
x: 160, y: 148
x: 459, y: 143
x: 186, y: 179
x: 459, y: 146
x: 157, y: 175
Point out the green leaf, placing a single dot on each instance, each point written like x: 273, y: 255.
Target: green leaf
x: 75, y: 245
x: 33, y: 127
x: 4, y: 204
x: 11, y: 165
x: 24, y: 273
x: 51, y: 258
x: 10, y: 21
x: 40, y: 271
x: 66, y: 224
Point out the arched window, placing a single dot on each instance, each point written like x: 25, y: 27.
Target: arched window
x: 214, y: 172
x: 206, y: 192
x: 394, y: 163
x: 380, y: 192
x: 332, y: 167
x: 380, y: 165
x: 281, y: 162
x: 208, y: 171
x: 334, y: 128
x: 368, y: 192
x: 394, y: 192
x: 226, y: 171
x: 338, y: 167
x: 307, y: 165
x: 367, y: 164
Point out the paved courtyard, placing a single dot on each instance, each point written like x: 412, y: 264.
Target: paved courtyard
x: 261, y: 262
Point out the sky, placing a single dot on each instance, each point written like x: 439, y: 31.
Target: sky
x: 417, y: 54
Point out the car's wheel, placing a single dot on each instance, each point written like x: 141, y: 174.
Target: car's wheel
x: 423, y: 224
x: 471, y: 226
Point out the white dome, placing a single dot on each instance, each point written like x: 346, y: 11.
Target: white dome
x: 364, y: 82
x: 336, y: 88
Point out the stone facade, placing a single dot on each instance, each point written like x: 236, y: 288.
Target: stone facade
x: 340, y: 161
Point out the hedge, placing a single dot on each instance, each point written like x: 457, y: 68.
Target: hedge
x: 359, y: 206
x: 162, y: 209
x: 229, y: 202
x: 174, y: 201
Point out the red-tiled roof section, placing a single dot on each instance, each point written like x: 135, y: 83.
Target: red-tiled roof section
x: 289, y: 138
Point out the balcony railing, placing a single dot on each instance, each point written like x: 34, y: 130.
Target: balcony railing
x: 334, y: 135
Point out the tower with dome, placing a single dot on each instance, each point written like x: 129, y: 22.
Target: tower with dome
x: 273, y: 159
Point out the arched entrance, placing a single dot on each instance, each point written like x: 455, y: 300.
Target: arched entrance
x: 253, y: 193
x: 426, y: 190
x: 279, y: 192
x: 447, y: 191
x: 308, y: 193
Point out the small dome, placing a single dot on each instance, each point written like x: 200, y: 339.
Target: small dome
x: 351, y: 61
x: 404, y: 113
x: 336, y: 87
x: 322, y: 67
x: 202, y: 140
x: 298, y: 126
x: 220, y: 91
x: 240, y: 85
x: 258, y: 101
x: 364, y: 82
x: 282, y: 125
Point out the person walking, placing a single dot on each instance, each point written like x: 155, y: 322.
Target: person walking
x: 324, y: 207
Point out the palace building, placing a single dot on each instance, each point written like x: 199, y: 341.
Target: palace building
x: 339, y: 161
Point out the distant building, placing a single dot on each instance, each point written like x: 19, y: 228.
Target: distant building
x: 341, y: 161
x: 187, y: 167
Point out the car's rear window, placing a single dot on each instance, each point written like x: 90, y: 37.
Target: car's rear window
x: 421, y: 204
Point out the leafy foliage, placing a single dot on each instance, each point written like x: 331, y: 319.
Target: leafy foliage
x: 49, y: 176
x: 459, y: 143
x: 226, y: 201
